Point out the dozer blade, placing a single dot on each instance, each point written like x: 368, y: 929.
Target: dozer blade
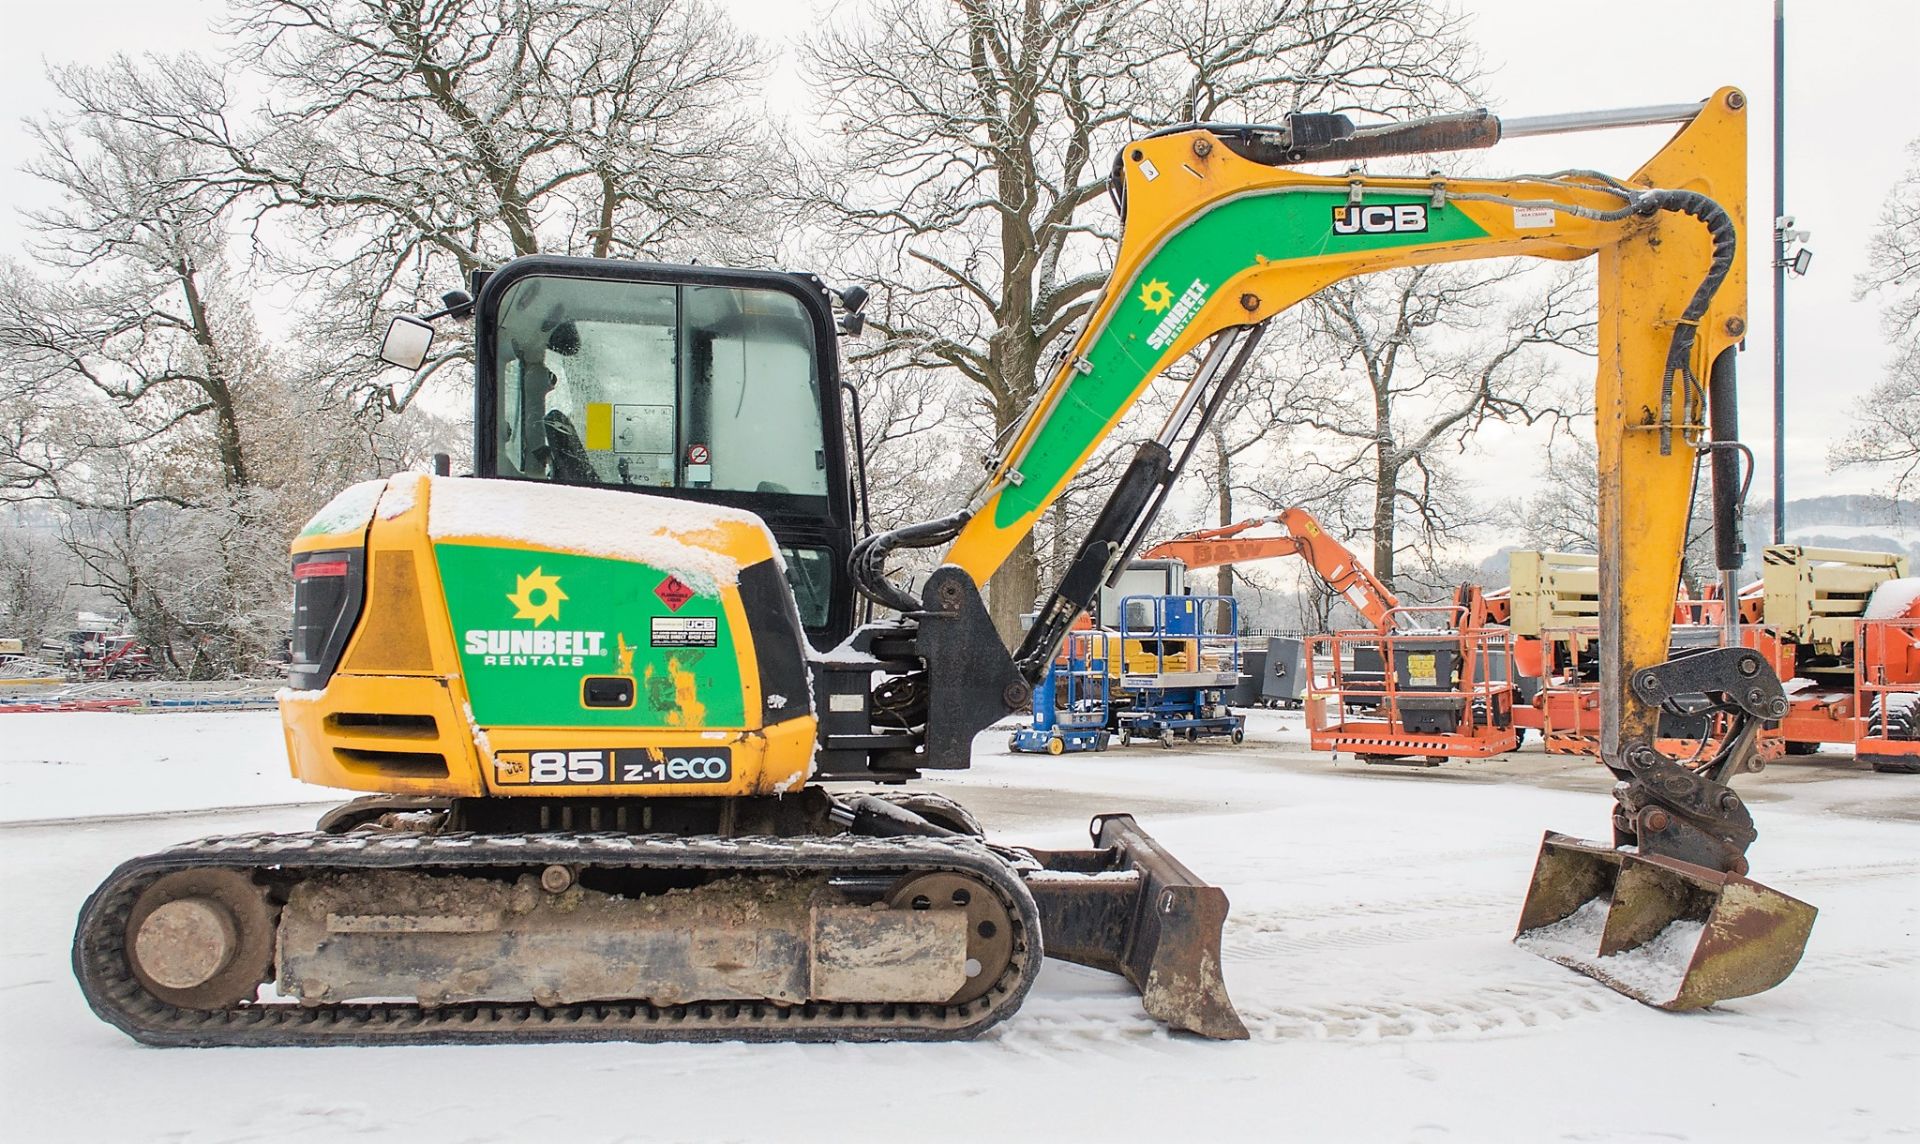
x: 1669, y: 933
x: 1129, y: 907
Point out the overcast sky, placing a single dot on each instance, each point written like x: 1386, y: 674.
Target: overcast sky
x: 1850, y: 114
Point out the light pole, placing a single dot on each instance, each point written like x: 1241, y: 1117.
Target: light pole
x: 1780, y: 223
x: 1783, y: 235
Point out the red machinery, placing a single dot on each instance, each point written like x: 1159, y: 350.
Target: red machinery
x: 1841, y: 626
x: 1420, y: 685
x: 1256, y: 539
x: 1423, y: 689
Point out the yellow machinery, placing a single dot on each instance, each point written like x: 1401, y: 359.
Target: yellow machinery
x: 1815, y: 597
x: 604, y: 692
x: 1551, y: 593
x: 1845, y: 624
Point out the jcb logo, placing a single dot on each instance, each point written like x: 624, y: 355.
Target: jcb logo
x: 1380, y: 218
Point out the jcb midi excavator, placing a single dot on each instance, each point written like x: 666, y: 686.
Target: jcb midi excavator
x: 603, y: 693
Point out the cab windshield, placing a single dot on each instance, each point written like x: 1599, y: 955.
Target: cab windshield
x: 646, y: 385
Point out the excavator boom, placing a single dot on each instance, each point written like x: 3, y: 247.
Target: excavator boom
x: 1222, y: 234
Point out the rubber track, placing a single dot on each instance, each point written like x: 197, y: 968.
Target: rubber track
x: 100, y: 964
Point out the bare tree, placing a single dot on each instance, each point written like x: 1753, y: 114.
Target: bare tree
x: 152, y: 410
x: 34, y: 585
x: 143, y: 309
x: 1249, y: 420
x: 1404, y: 366
x: 1563, y: 512
x: 968, y: 151
x: 1886, y: 422
x: 404, y: 144
x: 1886, y: 429
x: 1893, y: 260
x: 911, y: 456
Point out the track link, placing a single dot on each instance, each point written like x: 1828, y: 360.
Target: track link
x: 117, y: 996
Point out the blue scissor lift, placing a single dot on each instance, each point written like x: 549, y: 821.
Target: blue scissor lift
x: 1175, y: 675
x: 1073, y: 705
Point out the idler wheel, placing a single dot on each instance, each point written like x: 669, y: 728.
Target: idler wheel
x: 989, y: 929
x: 201, y: 939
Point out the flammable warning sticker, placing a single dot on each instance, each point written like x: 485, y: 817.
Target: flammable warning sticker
x: 530, y: 626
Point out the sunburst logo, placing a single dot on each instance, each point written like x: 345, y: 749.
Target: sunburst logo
x: 536, y: 597
x: 1156, y: 296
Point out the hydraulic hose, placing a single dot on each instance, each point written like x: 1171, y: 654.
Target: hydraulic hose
x: 869, y: 562
x: 1725, y: 242
x: 1725, y: 238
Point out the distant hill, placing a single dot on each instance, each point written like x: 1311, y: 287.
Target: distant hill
x: 1871, y: 523
x: 1864, y: 523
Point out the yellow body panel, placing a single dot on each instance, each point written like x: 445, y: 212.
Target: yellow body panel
x: 1817, y: 595
x: 1646, y: 278
x: 1553, y: 592
x: 324, y: 750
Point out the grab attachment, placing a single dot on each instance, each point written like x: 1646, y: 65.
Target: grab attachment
x: 1129, y: 907
x: 1669, y: 933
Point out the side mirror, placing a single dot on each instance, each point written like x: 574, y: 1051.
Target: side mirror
x: 407, y: 341
x: 852, y: 299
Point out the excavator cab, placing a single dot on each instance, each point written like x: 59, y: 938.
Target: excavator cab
x: 709, y: 385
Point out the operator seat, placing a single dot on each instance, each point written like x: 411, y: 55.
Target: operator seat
x: 567, y: 459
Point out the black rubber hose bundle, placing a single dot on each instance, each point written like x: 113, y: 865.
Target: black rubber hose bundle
x: 1726, y: 242
x: 869, y: 562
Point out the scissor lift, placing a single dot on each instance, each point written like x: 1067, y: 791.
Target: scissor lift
x: 1174, y: 674
x: 1073, y: 704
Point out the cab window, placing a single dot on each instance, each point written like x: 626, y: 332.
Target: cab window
x: 646, y: 385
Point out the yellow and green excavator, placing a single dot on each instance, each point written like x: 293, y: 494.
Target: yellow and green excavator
x: 604, y: 696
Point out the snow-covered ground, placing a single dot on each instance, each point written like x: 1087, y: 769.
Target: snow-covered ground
x: 1368, y: 951
x: 96, y: 763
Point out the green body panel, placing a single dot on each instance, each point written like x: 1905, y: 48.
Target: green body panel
x: 1159, y: 302
x: 531, y: 626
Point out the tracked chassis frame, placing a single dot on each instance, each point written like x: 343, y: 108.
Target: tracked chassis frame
x: 350, y: 924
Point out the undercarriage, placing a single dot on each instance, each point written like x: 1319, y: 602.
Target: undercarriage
x: 393, y: 929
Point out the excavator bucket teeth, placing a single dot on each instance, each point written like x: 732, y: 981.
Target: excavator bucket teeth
x: 1669, y: 933
x: 1129, y: 907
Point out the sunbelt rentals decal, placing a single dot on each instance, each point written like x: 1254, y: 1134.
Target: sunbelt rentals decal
x: 1158, y: 298
x: 536, y: 598
x: 533, y: 628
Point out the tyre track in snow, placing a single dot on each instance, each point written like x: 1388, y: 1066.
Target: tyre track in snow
x: 1839, y: 875
x: 1269, y: 934
x: 164, y: 815
x: 1490, y: 1010
x: 1265, y: 934
x: 1841, y: 964
x: 1468, y: 1012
